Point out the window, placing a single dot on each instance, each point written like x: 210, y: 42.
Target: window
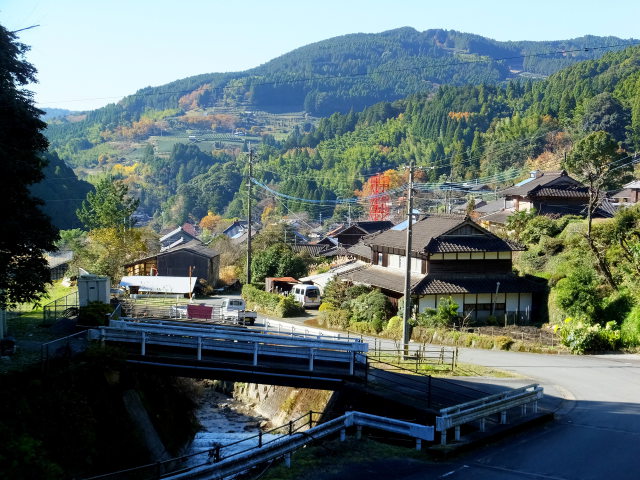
x: 380, y: 256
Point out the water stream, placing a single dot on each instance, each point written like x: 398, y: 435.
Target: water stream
x: 224, y: 421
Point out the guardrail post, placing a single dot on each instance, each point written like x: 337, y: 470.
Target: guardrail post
x: 143, y: 346
x: 255, y: 354
x: 199, y: 348
x: 259, y: 438
x: 523, y: 409
x: 287, y: 460
x: 311, y: 355
x: 352, y: 362
x: 457, y: 433
x: 343, y: 434
x: 443, y: 437
x: 503, y: 417
x: 535, y: 406
x: 418, y: 444
x: 358, y: 432
x: 483, y: 425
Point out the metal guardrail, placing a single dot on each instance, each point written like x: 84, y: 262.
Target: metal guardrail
x: 283, y: 447
x: 253, y: 345
x: 215, y: 463
x: 65, y: 347
x: 479, y: 410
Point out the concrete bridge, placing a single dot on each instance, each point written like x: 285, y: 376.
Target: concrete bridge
x: 238, y: 353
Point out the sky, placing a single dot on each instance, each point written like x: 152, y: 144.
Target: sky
x: 89, y: 53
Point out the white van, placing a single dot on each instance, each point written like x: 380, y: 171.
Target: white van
x: 307, y: 295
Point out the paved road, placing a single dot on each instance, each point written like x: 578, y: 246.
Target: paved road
x: 596, y: 434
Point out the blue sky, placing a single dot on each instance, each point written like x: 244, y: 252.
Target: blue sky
x: 89, y: 53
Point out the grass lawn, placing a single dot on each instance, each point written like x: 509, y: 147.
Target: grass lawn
x: 352, y: 459
x: 28, y: 330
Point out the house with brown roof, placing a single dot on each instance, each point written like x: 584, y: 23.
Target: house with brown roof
x: 629, y: 195
x: 189, y: 259
x: 451, y: 256
x: 553, y: 194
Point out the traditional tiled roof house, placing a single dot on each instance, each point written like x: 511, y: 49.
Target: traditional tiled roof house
x: 451, y: 256
x: 552, y: 194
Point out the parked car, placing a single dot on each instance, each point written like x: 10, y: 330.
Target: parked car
x: 307, y: 295
x: 235, y: 310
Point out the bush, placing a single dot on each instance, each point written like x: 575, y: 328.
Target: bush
x: 334, y: 318
x: 289, y: 307
x: 94, y: 314
x: 503, y: 342
x: 365, y: 328
x: 373, y: 307
x: 271, y: 303
x: 578, y: 295
x: 630, y: 330
x: 394, y: 327
x: 443, y: 317
x: 581, y: 337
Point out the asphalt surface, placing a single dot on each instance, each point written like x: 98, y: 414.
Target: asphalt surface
x: 596, y: 434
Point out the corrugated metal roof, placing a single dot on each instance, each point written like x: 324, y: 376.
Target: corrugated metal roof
x: 160, y: 284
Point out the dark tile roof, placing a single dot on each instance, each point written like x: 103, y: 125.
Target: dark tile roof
x: 490, y: 206
x: 525, y: 187
x: 424, y: 230
x: 194, y: 246
x: 360, y: 250
x: 450, y: 284
x: 337, y: 251
x: 561, y: 191
x: 497, y: 217
x: 449, y: 244
x: 625, y: 193
x: 431, y: 235
x: 374, y: 226
x: 380, y: 277
x: 315, y: 250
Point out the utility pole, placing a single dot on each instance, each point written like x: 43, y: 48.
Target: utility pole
x: 251, y: 156
x: 407, y: 279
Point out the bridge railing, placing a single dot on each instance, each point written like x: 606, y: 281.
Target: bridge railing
x: 223, y: 461
x: 481, y: 409
x: 416, y: 357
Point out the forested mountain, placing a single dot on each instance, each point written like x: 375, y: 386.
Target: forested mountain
x: 457, y: 132
x: 61, y: 192
x: 351, y: 72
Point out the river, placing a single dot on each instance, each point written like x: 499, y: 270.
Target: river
x: 224, y: 421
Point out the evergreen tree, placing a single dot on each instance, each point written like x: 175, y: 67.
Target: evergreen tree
x: 28, y: 232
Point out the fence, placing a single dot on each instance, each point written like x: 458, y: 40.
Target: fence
x: 60, y: 308
x: 224, y: 461
x: 481, y: 409
x: 65, y: 347
x: 416, y: 356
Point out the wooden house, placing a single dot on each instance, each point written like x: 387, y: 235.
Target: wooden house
x: 451, y: 256
x: 189, y: 259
